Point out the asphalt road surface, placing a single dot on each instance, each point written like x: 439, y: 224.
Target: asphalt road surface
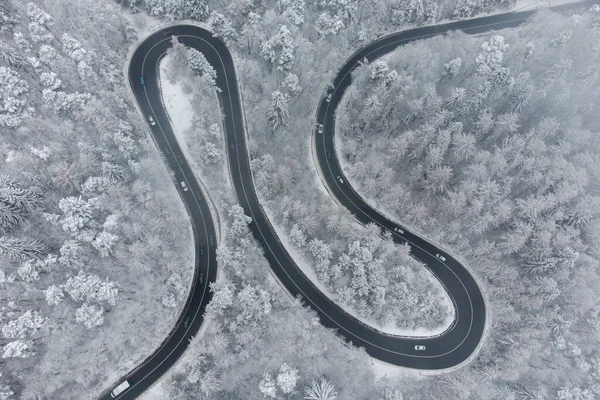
x: 449, y: 349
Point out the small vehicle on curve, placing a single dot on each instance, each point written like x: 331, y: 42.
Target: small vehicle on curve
x: 119, y: 389
x: 201, y: 249
x: 152, y: 121
x: 400, y: 231
x: 420, y: 347
x: 186, y: 323
x: 184, y: 186
x: 328, y: 98
x: 328, y: 155
x: 231, y: 145
x: 320, y: 130
x: 339, y: 178
x: 211, y: 240
x: 168, y: 33
x: 142, y: 80
x: 441, y: 257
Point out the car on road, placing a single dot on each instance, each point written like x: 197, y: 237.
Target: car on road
x: 420, y: 347
x: 441, y: 257
x: 328, y: 155
x: 119, y: 389
x: 184, y: 186
x: 142, y: 80
x: 186, y: 323
x: 201, y: 277
x: 328, y: 98
x: 201, y: 249
x: 167, y: 152
x: 339, y: 178
x: 231, y: 145
x: 168, y: 33
x: 320, y: 130
x: 211, y: 240
x: 152, y: 121
x: 396, y: 229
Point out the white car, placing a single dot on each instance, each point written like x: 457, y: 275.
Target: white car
x: 119, y: 389
x: 339, y: 178
x: 184, y: 186
x: 420, y: 347
x: 400, y: 231
x: 320, y: 128
x: 152, y: 122
x: 441, y: 257
x: 328, y: 98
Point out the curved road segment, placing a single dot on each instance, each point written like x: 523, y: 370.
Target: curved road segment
x: 449, y: 349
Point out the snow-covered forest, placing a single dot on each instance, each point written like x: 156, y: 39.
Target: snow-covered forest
x: 491, y: 145
x: 505, y: 166
x: 84, y: 211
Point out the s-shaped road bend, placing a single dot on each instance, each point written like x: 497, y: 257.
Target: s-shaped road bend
x: 449, y: 349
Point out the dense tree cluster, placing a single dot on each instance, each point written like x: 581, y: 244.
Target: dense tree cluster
x: 171, y: 9
x: 279, y: 49
x: 12, y: 97
x: 377, y: 279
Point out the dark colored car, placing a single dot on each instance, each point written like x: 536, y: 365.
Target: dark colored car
x: 211, y: 240
x: 231, y: 145
x: 201, y: 249
x: 142, y: 80
x: 328, y: 155
x: 201, y: 277
x: 186, y: 323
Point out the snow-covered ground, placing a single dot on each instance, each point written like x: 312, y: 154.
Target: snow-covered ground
x: 178, y: 105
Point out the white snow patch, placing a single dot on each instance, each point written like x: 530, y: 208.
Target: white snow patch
x: 10, y: 157
x: 178, y: 105
x: 156, y: 392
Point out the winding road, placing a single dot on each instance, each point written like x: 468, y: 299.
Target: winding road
x: 449, y: 349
